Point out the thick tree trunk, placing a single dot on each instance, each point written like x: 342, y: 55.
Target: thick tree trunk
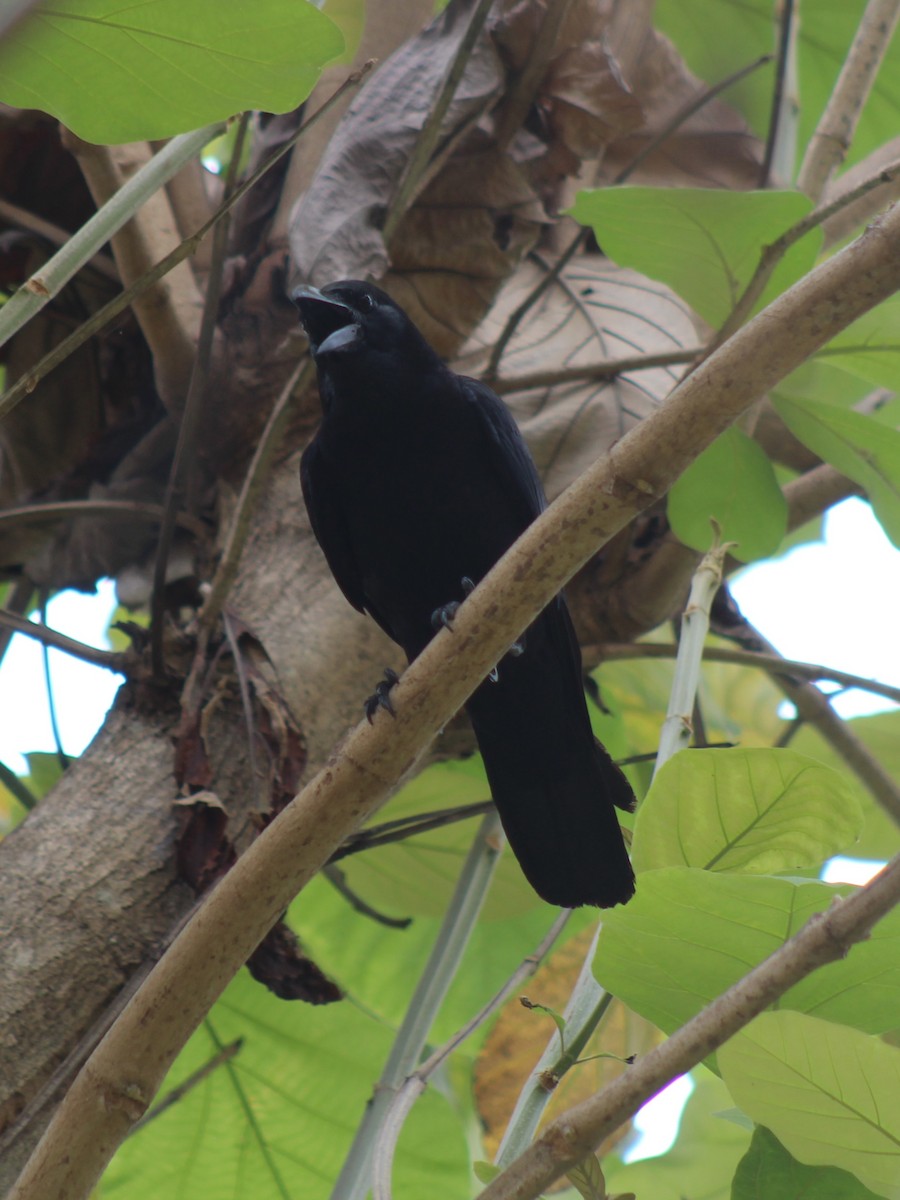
x: 88, y: 886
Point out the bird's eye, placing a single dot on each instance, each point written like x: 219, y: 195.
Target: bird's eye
x: 367, y: 304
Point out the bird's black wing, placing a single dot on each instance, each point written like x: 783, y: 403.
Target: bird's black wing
x: 511, y: 458
x: 327, y: 522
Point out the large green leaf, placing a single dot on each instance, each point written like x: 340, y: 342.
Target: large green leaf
x: 416, y: 876
x: 755, y: 811
x: 733, y: 482
x: 702, y: 1160
x: 278, y: 1119
x: 719, y: 37
x: 704, y: 244
x: 880, y: 734
x: 689, y: 934
x: 769, y: 1172
x: 869, y: 349
x: 860, y: 447
x: 379, y: 966
x: 828, y: 1093
x: 154, y: 68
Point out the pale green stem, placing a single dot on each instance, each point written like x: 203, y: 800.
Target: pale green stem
x: 84, y: 244
x: 586, y: 1005
x: 355, y: 1178
x: 678, y: 726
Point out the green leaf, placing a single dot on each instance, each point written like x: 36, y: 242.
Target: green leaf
x: 154, y: 68
x: 719, y: 37
x: 416, y: 876
x: 869, y: 349
x: 755, y: 811
x: 880, y: 734
x: 733, y: 482
x: 702, y: 1160
x: 828, y: 1093
x: 485, y: 1172
x: 587, y: 1178
x: 279, y: 1117
x: 860, y: 447
x: 44, y: 772
x: 688, y: 935
x: 769, y: 1172
x: 704, y: 244
x: 379, y: 966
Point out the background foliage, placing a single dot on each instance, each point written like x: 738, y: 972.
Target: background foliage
x: 728, y: 843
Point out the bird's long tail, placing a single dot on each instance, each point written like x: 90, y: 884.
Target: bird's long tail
x: 554, y: 785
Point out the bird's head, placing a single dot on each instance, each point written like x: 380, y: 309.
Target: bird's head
x: 352, y: 320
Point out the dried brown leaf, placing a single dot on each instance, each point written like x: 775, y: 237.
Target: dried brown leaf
x: 713, y: 148
x: 595, y: 312
x: 279, y: 964
x: 203, y: 849
x: 519, y: 1037
x: 336, y: 227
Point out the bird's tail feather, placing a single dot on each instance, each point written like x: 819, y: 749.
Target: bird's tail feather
x: 554, y: 785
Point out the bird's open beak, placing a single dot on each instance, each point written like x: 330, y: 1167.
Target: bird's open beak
x: 330, y: 325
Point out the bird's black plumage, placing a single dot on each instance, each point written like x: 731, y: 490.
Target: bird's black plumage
x: 416, y: 479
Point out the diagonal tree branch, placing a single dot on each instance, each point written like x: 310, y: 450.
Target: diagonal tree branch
x: 825, y: 938
x: 119, y: 1080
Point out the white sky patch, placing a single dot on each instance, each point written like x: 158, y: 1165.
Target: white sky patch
x: 850, y: 870
x: 82, y: 692
x: 657, y: 1122
x: 833, y: 603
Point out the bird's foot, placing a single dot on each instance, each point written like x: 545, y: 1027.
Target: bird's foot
x: 381, y: 697
x: 442, y: 618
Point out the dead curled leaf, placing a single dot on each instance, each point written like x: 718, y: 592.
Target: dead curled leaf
x: 595, y: 312
x: 482, y: 205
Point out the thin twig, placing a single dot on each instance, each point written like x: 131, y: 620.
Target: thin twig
x: 772, y: 254
x: 110, y: 510
x: 773, y: 663
x: 832, y: 138
x: 112, y: 660
x: 30, y: 379
x: 178, y: 1093
x: 825, y: 938
x: 785, y: 42
x: 184, y: 460
x: 338, y: 881
x: 62, y: 757
x: 11, y: 781
x: 417, y: 164
x: 55, y: 234
x: 684, y: 114
x: 416, y: 1083
x: 591, y: 371
x: 251, y: 489
x: 389, y: 832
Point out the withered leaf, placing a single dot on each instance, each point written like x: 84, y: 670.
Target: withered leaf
x: 203, y: 850
x: 594, y: 313
x: 279, y: 964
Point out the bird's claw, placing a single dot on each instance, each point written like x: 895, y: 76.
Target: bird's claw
x: 442, y: 618
x: 381, y: 697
